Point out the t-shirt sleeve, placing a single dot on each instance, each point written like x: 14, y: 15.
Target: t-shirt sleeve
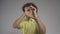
x: 21, y: 24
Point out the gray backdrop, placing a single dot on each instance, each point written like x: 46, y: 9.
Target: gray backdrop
x: 48, y: 11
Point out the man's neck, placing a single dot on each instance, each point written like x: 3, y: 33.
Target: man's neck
x: 27, y: 17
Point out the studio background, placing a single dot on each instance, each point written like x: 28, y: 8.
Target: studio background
x: 48, y: 11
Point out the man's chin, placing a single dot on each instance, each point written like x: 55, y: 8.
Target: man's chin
x: 27, y: 16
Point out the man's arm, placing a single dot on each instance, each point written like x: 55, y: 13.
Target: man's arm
x: 39, y: 22
x: 40, y: 25
x: 17, y: 22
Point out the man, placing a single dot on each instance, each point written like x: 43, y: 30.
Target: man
x: 32, y: 23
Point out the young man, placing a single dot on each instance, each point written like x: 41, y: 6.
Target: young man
x: 32, y: 23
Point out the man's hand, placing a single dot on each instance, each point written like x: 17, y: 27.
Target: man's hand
x: 31, y: 12
x: 34, y: 12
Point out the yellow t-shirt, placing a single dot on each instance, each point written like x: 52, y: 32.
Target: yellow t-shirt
x: 29, y: 26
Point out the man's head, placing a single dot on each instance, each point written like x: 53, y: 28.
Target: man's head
x: 28, y: 5
x: 28, y: 8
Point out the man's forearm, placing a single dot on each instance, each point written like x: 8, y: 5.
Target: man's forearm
x: 17, y: 22
x: 40, y: 25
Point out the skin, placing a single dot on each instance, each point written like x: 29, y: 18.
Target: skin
x: 30, y: 13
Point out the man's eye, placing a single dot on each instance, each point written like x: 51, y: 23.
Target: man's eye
x: 28, y: 10
x: 33, y: 9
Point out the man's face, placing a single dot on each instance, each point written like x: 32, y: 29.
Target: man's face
x: 29, y: 10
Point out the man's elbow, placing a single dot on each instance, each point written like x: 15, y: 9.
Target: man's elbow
x: 44, y: 31
x: 14, y: 26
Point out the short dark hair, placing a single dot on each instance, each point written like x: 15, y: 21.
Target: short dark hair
x: 29, y: 4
